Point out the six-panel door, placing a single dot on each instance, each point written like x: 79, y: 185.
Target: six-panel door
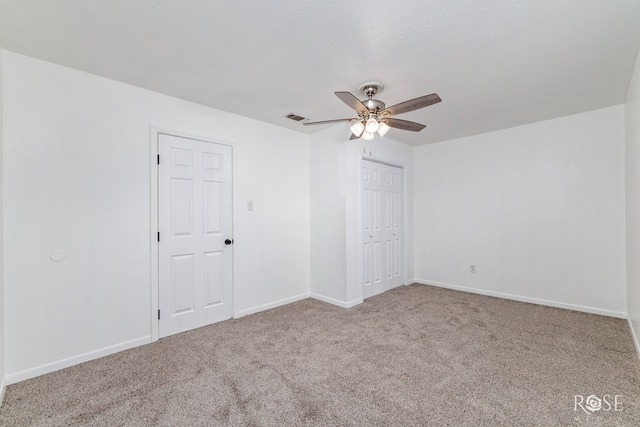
x: 195, y: 219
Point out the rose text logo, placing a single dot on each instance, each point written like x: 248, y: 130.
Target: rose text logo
x: 593, y: 403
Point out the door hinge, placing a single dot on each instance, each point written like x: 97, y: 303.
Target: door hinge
x: 158, y: 314
x: 158, y: 236
x: 158, y: 158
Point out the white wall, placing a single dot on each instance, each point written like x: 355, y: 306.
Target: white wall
x: 336, y: 212
x: 328, y: 215
x: 2, y: 347
x: 77, y: 180
x: 632, y: 170
x: 538, y: 208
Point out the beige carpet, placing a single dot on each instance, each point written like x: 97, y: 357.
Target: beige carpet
x: 416, y: 355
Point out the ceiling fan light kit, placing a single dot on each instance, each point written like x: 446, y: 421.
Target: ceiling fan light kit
x: 383, y: 128
x: 357, y: 129
x: 372, y: 125
x: 373, y: 116
x: 367, y: 136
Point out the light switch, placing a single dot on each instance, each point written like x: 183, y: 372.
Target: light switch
x: 249, y: 205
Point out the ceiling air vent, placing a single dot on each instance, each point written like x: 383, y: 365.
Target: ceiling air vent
x: 295, y: 117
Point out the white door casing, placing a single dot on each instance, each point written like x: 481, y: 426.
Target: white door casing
x: 194, y: 220
x: 382, y: 228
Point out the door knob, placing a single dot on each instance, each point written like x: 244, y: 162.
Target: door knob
x: 228, y: 242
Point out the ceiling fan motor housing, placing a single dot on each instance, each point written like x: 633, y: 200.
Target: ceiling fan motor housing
x: 373, y: 105
x: 369, y: 89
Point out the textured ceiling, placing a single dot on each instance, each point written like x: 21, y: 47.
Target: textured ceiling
x: 496, y: 64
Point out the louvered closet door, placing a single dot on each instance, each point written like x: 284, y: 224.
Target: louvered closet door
x: 195, y: 219
x: 382, y: 231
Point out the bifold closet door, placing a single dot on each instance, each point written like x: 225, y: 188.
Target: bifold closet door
x: 382, y: 227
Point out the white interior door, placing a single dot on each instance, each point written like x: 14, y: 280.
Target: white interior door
x: 195, y: 220
x: 382, y: 228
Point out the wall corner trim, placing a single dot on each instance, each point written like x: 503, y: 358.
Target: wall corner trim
x: 74, y: 360
x: 3, y: 387
x: 343, y: 304
x: 634, y: 336
x: 530, y: 300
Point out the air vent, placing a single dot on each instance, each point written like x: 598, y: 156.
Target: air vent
x: 295, y: 117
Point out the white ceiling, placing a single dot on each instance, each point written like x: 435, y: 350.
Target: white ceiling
x: 495, y: 63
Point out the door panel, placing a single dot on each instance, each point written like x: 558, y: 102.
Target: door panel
x: 366, y: 225
x: 181, y: 207
x: 194, y: 218
x: 397, y: 233
x: 182, y: 284
x: 213, y: 268
x: 213, y: 203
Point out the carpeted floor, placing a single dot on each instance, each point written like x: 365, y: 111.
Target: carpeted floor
x: 416, y: 355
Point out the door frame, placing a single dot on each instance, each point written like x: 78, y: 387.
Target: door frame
x: 154, y: 133
x: 361, y: 223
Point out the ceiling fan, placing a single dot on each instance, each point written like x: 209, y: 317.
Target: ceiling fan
x: 374, y: 117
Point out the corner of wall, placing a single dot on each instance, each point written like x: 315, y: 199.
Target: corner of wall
x: 632, y: 202
x: 327, y: 214
x: 634, y: 336
x: 335, y: 211
x: 2, y: 352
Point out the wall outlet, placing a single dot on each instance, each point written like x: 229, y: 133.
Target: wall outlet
x: 472, y: 268
x: 249, y: 205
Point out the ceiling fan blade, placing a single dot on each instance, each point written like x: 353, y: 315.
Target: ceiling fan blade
x: 353, y: 137
x: 412, y: 104
x: 353, y: 102
x: 404, y: 124
x: 326, y: 122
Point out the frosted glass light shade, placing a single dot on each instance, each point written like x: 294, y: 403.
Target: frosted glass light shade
x: 357, y: 128
x: 372, y: 125
x: 367, y: 135
x: 383, y: 128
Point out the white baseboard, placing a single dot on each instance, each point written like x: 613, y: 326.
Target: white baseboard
x: 74, y: 360
x: 334, y: 301
x: 549, y: 303
x: 635, y: 337
x: 270, y: 305
x: 354, y: 302
x: 3, y: 387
